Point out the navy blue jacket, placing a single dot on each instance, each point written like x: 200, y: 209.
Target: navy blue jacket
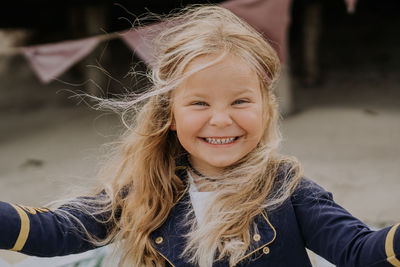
x: 308, y: 219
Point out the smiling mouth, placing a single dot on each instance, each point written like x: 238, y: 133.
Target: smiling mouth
x: 220, y: 141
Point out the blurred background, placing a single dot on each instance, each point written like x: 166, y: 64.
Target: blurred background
x: 340, y: 99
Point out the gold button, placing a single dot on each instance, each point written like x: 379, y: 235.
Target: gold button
x: 159, y: 240
x: 266, y: 250
x: 256, y: 237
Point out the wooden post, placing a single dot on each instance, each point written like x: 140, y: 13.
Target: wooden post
x: 96, y: 21
x: 311, y: 37
x: 86, y: 21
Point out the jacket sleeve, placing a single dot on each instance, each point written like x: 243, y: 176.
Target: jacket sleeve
x: 44, y: 233
x: 333, y: 233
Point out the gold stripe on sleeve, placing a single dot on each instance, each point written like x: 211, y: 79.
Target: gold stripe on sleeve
x: 389, y: 246
x: 24, y: 231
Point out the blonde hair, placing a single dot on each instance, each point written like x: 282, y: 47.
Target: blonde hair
x: 140, y: 180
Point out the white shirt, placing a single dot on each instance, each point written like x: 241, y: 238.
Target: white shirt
x: 198, y: 199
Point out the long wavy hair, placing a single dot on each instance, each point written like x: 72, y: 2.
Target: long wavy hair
x: 140, y: 185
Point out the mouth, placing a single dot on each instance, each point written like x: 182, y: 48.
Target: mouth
x: 220, y: 140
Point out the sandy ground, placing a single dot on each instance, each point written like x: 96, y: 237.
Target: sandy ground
x: 346, y: 133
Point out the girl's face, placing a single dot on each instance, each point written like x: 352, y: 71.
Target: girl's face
x: 218, y: 113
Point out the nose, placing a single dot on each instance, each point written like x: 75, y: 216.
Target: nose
x: 221, y: 118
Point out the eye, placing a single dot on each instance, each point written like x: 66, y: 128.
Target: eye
x: 240, y: 101
x: 199, y: 103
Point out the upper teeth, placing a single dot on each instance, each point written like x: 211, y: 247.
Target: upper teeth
x: 220, y: 140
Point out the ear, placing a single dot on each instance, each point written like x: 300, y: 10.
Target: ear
x: 173, y: 125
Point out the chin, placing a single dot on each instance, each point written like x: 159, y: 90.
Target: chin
x: 223, y: 164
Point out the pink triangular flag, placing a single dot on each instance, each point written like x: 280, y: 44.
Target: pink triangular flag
x: 141, y: 39
x: 50, y: 60
x: 351, y: 5
x: 270, y: 17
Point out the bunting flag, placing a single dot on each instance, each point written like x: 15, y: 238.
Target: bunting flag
x: 140, y: 40
x: 351, y: 5
x: 50, y: 60
x: 135, y: 40
x: 269, y: 17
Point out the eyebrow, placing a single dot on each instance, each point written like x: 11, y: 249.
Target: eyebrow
x: 246, y: 90
x: 239, y: 92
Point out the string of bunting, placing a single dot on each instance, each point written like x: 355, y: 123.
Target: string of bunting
x: 48, y: 61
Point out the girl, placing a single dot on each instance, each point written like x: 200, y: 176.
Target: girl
x: 197, y: 180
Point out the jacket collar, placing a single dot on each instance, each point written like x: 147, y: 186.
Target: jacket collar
x: 169, y: 239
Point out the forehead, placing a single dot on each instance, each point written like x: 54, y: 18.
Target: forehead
x: 215, y: 62
x: 216, y: 72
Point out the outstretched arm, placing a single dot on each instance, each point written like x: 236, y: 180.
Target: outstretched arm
x: 332, y: 232
x: 44, y: 233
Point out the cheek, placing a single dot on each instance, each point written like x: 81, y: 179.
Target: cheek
x: 189, y: 122
x: 251, y: 121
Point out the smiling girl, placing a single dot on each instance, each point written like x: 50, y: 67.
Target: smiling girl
x: 197, y: 180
